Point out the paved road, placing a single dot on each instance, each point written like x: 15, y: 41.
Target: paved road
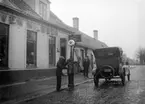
x: 108, y: 92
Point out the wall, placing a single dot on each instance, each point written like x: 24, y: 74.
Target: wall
x: 62, y: 34
x: 17, y: 44
x: 42, y: 50
x: 91, y: 57
x: 18, y: 48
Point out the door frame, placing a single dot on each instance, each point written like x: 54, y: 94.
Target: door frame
x: 7, y: 44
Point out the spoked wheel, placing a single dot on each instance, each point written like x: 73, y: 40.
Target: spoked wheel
x: 96, y: 81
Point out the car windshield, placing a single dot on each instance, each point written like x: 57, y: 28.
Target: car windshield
x: 102, y: 54
x: 107, y: 53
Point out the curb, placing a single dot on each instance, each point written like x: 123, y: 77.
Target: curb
x: 37, y: 96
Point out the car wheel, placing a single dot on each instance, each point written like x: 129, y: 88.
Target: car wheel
x: 96, y: 81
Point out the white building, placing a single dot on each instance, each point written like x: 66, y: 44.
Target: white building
x: 34, y: 36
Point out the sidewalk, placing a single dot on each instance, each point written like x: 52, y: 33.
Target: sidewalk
x: 48, y: 85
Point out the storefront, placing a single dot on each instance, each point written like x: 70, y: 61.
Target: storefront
x: 4, y: 41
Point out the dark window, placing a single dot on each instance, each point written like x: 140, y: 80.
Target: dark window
x: 63, y: 47
x: 31, y: 48
x: 107, y: 53
x: 52, y: 51
x: 4, y: 29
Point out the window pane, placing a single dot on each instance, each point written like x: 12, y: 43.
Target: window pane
x: 40, y: 8
x: 31, y: 48
x: 3, y: 45
x: 52, y: 52
x: 43, y: 9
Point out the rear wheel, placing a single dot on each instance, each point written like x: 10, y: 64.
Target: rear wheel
x: 96, y: 81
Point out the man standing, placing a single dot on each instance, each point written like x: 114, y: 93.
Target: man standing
x: 86, y: 64
x: 70, y: 73
x: 60, y: 66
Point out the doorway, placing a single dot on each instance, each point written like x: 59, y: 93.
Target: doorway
x: 63, y: 47
x: 4, y: 33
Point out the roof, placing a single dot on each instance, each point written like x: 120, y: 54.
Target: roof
x: 24, y: 8
x: 111, y: 48
x: 21, y: 6
x: 93, y: 43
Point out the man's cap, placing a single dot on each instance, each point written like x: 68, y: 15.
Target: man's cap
x: 61, y: 57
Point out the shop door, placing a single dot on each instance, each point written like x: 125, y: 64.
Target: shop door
x: 4, y: 32
x: 63, y: 47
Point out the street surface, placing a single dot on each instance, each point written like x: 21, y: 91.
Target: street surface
x: 111, y: 92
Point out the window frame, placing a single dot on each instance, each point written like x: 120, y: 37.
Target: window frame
x: 43, y: 9
x: 33, y: 41
x: 52, y: 42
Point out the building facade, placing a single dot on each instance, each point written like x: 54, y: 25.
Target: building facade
x: 30, y: 41
x: 32, y: 38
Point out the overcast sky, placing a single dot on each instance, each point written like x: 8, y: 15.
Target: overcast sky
x: 119, y: 22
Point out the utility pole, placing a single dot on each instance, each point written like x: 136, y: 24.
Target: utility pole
x: 71, y: 43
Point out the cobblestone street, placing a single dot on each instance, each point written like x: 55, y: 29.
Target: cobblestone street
x: 111, y: 92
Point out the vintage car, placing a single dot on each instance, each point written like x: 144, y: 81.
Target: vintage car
x: 109, y: 64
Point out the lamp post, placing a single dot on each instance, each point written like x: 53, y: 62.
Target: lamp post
x: 71, y: 43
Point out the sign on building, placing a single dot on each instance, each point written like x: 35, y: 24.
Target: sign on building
x: 76, y: 38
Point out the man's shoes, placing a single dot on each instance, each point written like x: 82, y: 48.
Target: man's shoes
x: 58, y: 90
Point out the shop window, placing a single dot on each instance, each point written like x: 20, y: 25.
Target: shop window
x: 31, y: 48
x: 4, y: 45
x: 52, y: 51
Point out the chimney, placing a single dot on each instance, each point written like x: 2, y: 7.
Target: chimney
x: 95, y: 34
x: 76, y: 23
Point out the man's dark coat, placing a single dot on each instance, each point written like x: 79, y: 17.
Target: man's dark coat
x: 60, y: 66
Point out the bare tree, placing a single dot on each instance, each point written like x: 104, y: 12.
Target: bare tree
x: 141, y: 55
